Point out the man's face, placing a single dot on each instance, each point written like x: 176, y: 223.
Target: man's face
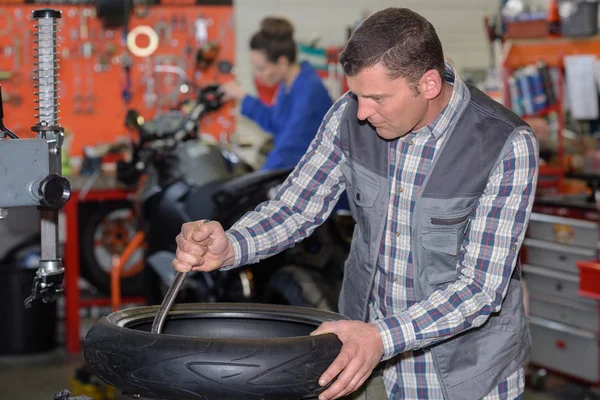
x: 390, y: 105
x: 268, y: 73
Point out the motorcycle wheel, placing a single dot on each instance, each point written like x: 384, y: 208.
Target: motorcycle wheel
x: 303, y: 287
x: 104, y: 233
x: 214, y: 351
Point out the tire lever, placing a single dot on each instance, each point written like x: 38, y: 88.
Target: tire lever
x: 167, y: 303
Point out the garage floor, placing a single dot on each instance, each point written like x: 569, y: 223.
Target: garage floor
x: 39, y: 377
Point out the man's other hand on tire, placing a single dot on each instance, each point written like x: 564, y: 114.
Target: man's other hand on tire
x: 362, y: 350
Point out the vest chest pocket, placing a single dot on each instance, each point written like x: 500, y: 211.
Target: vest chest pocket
x: 363, y: 189
x: 441, y: 242
x: 364, y: 196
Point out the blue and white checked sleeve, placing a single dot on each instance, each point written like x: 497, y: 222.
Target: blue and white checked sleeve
x: 304, y: 201
x: 486, y: 260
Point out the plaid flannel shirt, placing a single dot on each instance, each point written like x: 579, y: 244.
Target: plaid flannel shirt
x: 486, y: 260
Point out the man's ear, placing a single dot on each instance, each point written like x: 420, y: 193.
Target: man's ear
x: 430, y: 85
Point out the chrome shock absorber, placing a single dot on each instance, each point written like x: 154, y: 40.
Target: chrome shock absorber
x: 46, y: 67
x: 54, y: 190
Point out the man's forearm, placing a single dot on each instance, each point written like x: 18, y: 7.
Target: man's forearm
x: 303, y: 202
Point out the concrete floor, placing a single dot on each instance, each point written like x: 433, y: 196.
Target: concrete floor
x: 36, y: 377
x: 40, y: 377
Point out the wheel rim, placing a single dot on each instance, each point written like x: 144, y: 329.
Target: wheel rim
x: 137, y: 318
x: 111, y: 236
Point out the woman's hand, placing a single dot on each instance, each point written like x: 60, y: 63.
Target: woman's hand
x: 232, y: 91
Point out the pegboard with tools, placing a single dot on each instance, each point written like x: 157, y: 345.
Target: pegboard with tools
x: 149, y: 61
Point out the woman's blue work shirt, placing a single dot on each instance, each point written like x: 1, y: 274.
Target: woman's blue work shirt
x: 294, y: 118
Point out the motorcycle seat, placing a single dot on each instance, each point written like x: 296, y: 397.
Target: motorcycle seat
x: 240, y: 186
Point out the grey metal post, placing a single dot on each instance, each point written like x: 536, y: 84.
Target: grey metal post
x: 46, y: 75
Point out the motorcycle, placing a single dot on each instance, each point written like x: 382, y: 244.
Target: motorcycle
x: 183, y: 178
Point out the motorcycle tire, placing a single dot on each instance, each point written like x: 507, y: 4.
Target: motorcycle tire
x: 96, y: 270
x: 303, y: 287
x: 214, y: 351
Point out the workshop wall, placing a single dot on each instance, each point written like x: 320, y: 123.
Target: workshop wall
x: 94, y: 85
x: 103, y: 74
x: 459, y: 24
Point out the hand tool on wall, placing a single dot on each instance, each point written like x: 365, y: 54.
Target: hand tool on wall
x: 6, y: 22
x: 126, y: 93
x: 83, y: 23
x: 201, y: 30
x: 18, y: 54
x: 207, y: 54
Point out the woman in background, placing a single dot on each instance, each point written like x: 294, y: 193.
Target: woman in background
x: 301, y: 101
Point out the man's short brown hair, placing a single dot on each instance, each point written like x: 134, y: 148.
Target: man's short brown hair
x: 401, y: 40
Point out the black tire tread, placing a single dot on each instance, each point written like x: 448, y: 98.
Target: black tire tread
x: 183, y: 367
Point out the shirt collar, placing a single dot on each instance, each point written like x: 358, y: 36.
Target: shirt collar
x: 305, y: 70
x: 452, y: 110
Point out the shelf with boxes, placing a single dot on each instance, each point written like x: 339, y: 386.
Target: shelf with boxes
x: 534, y: 90
x: 534, y: 80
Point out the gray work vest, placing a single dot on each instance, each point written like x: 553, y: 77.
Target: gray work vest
x: 471, y: 364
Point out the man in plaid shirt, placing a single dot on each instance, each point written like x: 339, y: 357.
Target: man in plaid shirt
x: 454, y: 329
